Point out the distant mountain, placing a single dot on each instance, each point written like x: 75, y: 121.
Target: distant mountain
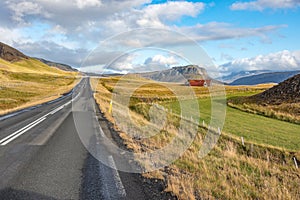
x: 272, y: 77
x: 236, y: 75
x: 10, y: 54
x: 287, y: 91
x: 57, y: 65
x: 102, y: 75
x: 178, y: 74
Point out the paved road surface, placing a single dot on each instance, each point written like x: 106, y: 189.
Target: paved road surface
x: 42, y: 156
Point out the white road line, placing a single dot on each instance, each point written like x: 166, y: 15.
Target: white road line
x: 100, y: 129
x: 96, y: 133
x: 117, y: 179
x: 74, y: 99
x: 23, y: 131
x: 67, y: 103
x: 56, y: 110
x: 11, y: 135
x: 96, y: 122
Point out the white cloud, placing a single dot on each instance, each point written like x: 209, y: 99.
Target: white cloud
x: 124, y: 62
x: 9, y: 36
x: 264, y: 4
x: 25, y: 8
x: 221, y: 31
x: 52, y: 51
x: 73, y: 14
x: 161, y: 60
x: 153, y: 15
x: 88, y: 3
x: 130, y: 63
x: 173, y: 10
x: 58, y: 29
x: 282, y: 60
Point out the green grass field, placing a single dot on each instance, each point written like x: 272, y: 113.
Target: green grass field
x: 284, y: 111
x: 252, y: 127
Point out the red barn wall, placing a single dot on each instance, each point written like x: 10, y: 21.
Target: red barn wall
x: 199, y: 82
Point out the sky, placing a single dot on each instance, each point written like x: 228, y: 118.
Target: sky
x: 145, y: 35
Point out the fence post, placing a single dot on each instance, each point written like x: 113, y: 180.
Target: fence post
x: 242, y: 141
x: 295, y: 161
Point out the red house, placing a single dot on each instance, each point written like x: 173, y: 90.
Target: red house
x: 199, y: 82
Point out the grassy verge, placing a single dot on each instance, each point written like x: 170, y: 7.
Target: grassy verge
x: 30, y: 82
x: 262, y: 168
x: 289, y: 112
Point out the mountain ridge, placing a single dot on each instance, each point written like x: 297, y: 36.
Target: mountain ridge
x: 241, y: 74
x: 178, y: 74
x: 61, y: 66
x: 270, y: 77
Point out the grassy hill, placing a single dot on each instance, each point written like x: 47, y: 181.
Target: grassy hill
x: 280, y: 102
x: 57, y: 65
x: 26, y: 82
x: 30, y: 65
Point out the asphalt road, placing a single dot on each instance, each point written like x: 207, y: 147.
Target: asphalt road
x: 42, y: 156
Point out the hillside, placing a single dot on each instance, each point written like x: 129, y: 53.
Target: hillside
x: 10, y: 54
x: 281, y: 101
x: 13, y: 60
x: 58, y: 65
x: 272, y: 77
x: 286, y: 92
x: 30, y: 65
x: 177, y: 74
x: 26, y: 81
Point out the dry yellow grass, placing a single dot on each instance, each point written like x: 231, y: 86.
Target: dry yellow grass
x: 30, y: 82
x: 229, y: 171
